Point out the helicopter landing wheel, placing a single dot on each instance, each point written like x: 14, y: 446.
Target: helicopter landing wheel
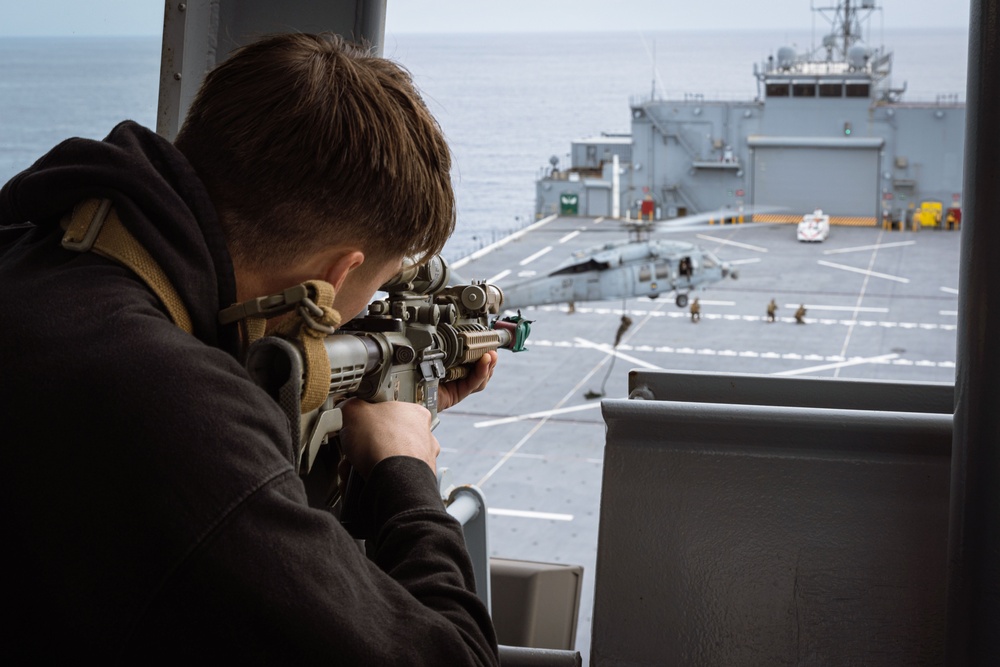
x: 681, y: 300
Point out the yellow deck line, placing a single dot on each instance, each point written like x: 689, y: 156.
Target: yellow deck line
x: 841, y: 220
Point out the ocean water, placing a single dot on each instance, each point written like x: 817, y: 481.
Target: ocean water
x: 55, y: 88
x: 506, y: 102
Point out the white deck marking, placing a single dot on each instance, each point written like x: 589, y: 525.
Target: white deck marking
x: 861, y: 297
x: 717, y: 303
x: 536, y: 415
x: 526, y: 274
x: 513, y: 450
x: 953, y: 313
x: 949, y: 290
x: 859, y: 309
x: 610, y: 350
x: 704, y: 351
x: 866, y: 272
x: 735, y: 243
x: 598, y: 221
x: 500, y: 276
x: 678, y: 314
x: 868, y: 247
x: 532, y: 258
x: 840, y: 364
x: 502, y: 242
x: 740, y: 262
x: 569, y: 236
x: 572, y: 393
x: 524, y: 514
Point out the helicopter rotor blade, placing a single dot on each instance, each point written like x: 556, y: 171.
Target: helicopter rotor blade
x: 687, y: 222
x: 718, y: 214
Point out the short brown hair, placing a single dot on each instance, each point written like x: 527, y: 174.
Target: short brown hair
x: 304, y: 141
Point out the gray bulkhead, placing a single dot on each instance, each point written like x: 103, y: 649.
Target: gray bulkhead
x: 852, y: 158
x: 775, y: 521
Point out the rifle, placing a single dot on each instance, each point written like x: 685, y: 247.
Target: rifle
x: 423, y: 333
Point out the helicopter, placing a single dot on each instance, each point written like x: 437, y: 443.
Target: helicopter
x: 638, y: 266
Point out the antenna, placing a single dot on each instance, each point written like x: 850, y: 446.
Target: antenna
x: 652, y: 94
x: 652, y: 58
x: 848, y: 21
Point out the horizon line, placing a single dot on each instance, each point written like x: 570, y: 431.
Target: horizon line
x: 572, y: 31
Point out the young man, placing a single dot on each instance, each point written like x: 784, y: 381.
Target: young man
x: 152, y: 507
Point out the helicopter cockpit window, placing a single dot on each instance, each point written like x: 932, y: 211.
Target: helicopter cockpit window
x: 709, y: 261
x: 645, y: 274
x: 662, y: 269
x: 582, y: 267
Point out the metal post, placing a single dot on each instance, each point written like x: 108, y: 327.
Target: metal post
x: 616, y: 197
x: 468, y: 506
x: 516, y: 656
x: 974, y: 534
x: 197, y: 34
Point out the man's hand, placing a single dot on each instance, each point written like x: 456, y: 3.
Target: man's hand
x: 376, y: 431
x: 450, y: 393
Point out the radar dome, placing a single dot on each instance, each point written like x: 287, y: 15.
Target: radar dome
x: 857, y: 56
x: 786, y: 57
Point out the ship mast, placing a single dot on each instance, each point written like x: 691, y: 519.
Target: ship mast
x: 652, y: 94
x: 851, y: 25
x: 845, y: 24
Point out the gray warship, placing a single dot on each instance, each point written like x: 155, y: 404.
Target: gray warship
x: 827, y: 130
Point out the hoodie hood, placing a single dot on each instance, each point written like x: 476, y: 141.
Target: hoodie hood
x: 159, y: 199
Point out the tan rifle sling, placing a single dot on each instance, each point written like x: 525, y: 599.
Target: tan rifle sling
x: 315, y: 318
x: 94, y: 226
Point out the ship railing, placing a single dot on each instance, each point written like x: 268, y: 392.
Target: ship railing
x: 878, y: 66
x: 567, y: 174
x: 950, y: 100
x: 683, y: 194
x: 552, y: 174
x: 468, y: 506
x: 710, y: 97
x: 676, y: 133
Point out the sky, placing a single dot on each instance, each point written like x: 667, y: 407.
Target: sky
x: 145, y: 17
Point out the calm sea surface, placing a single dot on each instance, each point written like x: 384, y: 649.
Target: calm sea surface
x: 506, y: 102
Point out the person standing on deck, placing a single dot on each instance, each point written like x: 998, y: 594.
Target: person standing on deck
x: 772, y: 308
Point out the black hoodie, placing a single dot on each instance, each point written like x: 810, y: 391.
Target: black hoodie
x: 152, y: 512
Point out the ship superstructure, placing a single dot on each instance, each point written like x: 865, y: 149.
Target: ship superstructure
x: 827, y: 130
